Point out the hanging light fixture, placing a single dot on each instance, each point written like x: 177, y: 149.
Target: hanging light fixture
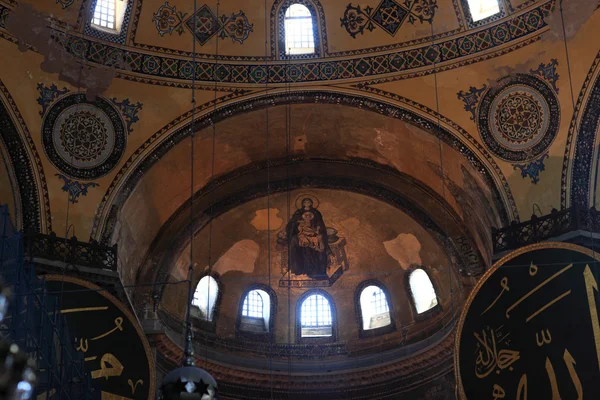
x: 188, y: 381
x: 17, y: 371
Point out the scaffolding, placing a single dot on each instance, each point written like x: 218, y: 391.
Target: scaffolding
x: 35, y: 324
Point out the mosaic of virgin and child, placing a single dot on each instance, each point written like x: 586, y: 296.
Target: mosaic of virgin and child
x: 307, y: 239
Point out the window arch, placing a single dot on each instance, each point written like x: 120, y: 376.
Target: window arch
x: 481, y: 9
x: 482, y: 12
x: 374, y: 307
x: 374, y: 312
x: 205, y: 297
x: 256, y: 311
x: 299, y: 32
x: 314, y: 18
x: 422, y: 290
x: 315, y: 319
x: 108, y: 15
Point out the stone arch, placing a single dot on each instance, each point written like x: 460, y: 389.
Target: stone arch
x: 25, y: 163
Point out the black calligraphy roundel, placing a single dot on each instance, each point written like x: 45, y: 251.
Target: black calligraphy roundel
x: 530, y: 328
x: 116, y: 352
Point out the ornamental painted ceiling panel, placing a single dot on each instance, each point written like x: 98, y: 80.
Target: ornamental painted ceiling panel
x: 518, y: 117
x: 399, y: 23
x: 168, y: 26
x: 84, y: 139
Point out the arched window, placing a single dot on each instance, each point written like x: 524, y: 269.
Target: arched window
x: 256, y: 311
x: 108, y: 15
x: 374, y: 308
x: 299, y: 34
x: 481, y: 9
x: 315, y: 317
x: 422, y: 290
x: 205, y: 297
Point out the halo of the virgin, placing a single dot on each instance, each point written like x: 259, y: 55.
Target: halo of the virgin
x: 303, y: 196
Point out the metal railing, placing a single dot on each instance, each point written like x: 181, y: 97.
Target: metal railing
x: 539, y: 229
x: 71, y: 251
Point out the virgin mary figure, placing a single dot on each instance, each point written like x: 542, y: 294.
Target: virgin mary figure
x: 307, y: 241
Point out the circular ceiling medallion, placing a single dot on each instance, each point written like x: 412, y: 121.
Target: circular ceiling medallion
x: 519, y: 118
x: 84, y: 139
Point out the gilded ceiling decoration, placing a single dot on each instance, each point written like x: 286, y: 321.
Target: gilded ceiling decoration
x: 207, y: 24
x: 518, y: 117
x: 168, y: 19
x: 388, y: 15
x: 164, y: 67
x: 75, y: 188
x: 84, y: 139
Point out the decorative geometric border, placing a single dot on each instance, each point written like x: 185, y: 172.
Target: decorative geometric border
x: 119, y: 38
x: 334, y: 319
x: 273, y: 37
x: 120, y: 139
x: 405, y: 378
x: 25, y: 174
x: 358, y: 310
x: 450, y: 50
x: 293, y: 98
x: 257, y: 336
x: 278, y: 20
x: 538, y: 85
x: 584, y: 134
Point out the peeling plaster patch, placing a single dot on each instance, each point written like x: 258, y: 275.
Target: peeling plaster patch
x: 300, y: 144
x: 240, y: 257
x: 267, y: 219
x: 31, y: 29
x: 405, y: 249
x: 575, y: 12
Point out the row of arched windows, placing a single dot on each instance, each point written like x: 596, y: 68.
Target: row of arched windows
x: 298, y: 21
x: 316, y: 314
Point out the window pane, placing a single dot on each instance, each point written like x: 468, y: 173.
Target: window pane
x: 104, y: 14
x: 481, y: 9
x: 316, y: 312
x: 422, y: 290
x: 205, y: 296
x: 374, y: 308
x: 253, y: 305
x: 299, y: 35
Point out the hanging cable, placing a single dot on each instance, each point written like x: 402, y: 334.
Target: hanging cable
x: 442, y: 178
x: 268, y: 187
x: 288, y: 124
x: 188, y: 356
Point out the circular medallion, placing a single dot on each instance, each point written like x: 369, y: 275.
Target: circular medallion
x: 531, y: 327
x: 84, y: 139
x: 112, y: 344
x: 519, y: 118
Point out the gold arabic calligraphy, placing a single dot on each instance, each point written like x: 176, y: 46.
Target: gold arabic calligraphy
x: 489, y: 358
